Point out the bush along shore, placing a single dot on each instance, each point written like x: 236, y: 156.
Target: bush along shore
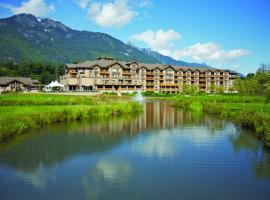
x: 33, y: 111
x: 250, y: 112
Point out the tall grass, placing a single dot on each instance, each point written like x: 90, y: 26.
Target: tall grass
x: 27, y: 112
x: 249, y: 112
x: 44, y: 99
x: 222, y: 98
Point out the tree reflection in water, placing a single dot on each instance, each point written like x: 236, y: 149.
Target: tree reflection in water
x: 244, y: 140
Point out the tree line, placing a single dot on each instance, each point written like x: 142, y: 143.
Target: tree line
x: 255, y: 83
x: 43, y: 72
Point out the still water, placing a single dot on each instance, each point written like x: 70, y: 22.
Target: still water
x: 163, y: 153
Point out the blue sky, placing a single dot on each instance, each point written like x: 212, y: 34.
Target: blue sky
x: 232, y: 34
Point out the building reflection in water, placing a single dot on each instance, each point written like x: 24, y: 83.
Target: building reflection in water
x: 56, y: 144
x: 151, y: 134
x: 156, y: 115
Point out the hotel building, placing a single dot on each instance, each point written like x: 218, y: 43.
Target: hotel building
x: 108, y: 75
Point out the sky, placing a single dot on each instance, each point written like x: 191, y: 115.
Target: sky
x: 231, y: 34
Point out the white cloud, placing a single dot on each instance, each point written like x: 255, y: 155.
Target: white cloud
x: 111, y: 14
x: 213, y: 52
x: 145, y: 4
x: 35, y: 7
x: 82, y: 3
x: 160, y: 40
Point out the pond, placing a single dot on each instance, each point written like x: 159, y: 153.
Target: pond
x: 163, y: 153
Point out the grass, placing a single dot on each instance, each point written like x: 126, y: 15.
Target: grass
x: 19, y: 113
x: 44, y: 99
x: 247, y: 111
x: 156, y: 94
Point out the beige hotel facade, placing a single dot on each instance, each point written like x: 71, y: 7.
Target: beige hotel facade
x: 109, y: 75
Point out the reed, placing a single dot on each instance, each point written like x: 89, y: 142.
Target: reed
x: 20, y: 113
x: 248, y: 112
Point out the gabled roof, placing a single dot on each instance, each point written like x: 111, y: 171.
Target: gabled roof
x: 131, y: 62
x: 121, y: 64
x: 169, y: 66
x: 24, y: 80
x: 108, y: 62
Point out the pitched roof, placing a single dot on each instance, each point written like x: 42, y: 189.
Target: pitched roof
x: 102, y: 63
x: 24, y: 80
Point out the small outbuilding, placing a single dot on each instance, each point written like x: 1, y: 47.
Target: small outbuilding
x: 15, y: 84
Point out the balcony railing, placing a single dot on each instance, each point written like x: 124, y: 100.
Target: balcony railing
x: 115, y: 73
x: 168, y: 84
x: 104, y: 72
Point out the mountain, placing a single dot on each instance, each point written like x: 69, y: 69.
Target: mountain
x: 26, y: 37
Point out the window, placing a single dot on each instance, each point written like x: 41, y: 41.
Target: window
x: 114, y: 70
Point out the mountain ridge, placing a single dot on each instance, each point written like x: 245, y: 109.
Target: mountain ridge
x: 26, y: 37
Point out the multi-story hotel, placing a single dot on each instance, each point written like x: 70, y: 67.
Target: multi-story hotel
x: 107, y: 74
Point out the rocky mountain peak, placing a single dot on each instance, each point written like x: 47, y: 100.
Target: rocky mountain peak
x: 49, y: 23
x: 23, y: 19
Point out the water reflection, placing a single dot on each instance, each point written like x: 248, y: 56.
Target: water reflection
x: 57, y: 144
x: 38, y: 178
x: 112, y: 172
x: 245, y: 141
x: 160, y: 145
x: 112, y: 169
x: 112, y: 159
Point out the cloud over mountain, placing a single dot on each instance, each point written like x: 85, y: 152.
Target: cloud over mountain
x: 210, y: 51
x: 162, y: 42
x: 111, y: 14
x: 35, y: 7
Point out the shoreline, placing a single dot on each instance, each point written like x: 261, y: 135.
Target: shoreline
x: 247, y: 113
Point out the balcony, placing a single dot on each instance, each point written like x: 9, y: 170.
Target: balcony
x: 168, y: 84
x: 72, y: 81
x: 104, y: 72
x: 116, y: 73
x: 149, y: 84
x: 149, y: 89
x: 149, y: 78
